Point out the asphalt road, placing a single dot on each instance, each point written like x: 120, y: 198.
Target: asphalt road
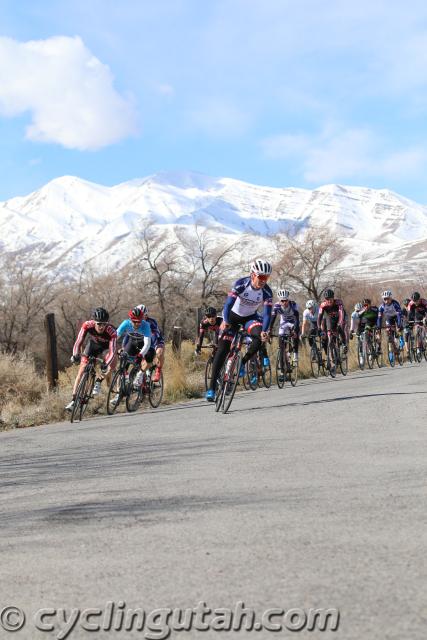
x: 313, y: 497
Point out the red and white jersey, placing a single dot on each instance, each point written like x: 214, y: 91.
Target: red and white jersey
x: 107, y: 339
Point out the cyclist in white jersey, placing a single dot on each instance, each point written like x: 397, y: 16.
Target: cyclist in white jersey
x: 240, y: 309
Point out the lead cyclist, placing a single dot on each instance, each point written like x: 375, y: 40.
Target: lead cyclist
x: 240, y: 309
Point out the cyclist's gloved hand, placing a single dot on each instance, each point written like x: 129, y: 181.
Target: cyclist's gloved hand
x: 351, y: 335
x: 198, y: 351
x: 76, y: 359
x: 104, y: 367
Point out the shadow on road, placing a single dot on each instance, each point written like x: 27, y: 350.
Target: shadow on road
x: 324, y: 400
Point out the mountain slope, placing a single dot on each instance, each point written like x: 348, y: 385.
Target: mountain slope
x: 70, y: 221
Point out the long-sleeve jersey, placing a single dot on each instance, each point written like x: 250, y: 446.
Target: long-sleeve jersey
x: 369, y: 317
x: 107, y: 339
x: 244, y: 300
x: 207, y: 327
x: 143, y: 329
x: 288, y: 315
x: 334, y: 310
x: 389, y: 311
x: 417, y: 311
x: 157, y: 339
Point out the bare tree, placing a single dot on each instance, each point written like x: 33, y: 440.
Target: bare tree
x: 161, y: 276
x: 308, y: 261
x: 213, y: 262
x: 25, y: 295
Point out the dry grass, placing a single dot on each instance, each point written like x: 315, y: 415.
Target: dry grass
x: 26, y: 401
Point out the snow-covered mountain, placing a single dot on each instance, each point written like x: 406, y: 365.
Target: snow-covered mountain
x: 70, y: 221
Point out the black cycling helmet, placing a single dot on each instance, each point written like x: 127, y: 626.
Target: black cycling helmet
x: 328, y: 294
x: 210, y: 312
x: 406, y: 302
x: 366, y: 302
x: 100, y: 314
x: 415, y: 296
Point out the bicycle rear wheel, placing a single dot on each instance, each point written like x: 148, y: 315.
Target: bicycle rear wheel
x: 115, y: 392
x: 155, y: 391
x: 231, y: 382
x: 360, y: 354
x: 294, y: 373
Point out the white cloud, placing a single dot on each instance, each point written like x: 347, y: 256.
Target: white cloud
x: 67, y: 90
x: 338, y: 154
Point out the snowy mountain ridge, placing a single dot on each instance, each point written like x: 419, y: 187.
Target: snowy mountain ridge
x: 71, y: 221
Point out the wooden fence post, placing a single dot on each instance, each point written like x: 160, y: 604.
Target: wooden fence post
x: 51, y: 351
x: 176, y: 340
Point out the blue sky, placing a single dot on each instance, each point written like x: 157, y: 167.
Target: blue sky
x: 275, y: 92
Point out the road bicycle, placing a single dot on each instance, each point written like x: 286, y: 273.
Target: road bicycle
x: 228, y: 378
x: 368, y: 349
x: 85, y: 388
x: 286, y: 366
x: 336, y: 355
x: 394, y: 347
x: 317, y: 362
x: 143, y: 387
x: 119, y: 387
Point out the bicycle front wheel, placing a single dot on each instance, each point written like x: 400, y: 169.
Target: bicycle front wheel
x: 343, y: 361
x: 280, y: 374
x: 266, y: 375
x: 208, y: 373
x: 134, y: 395
x: 252, y: 373
x: 231, y: 382
x: 294, y: 373
x: 115, y: 392
x: 314, y: 362
x: 332, y: 358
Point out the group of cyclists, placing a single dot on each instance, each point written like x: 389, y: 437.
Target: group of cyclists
x: 250, y: 306
x: 329, y: 318
x: 140, y: 338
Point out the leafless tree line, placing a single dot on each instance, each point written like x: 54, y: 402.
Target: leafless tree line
x: 172, y: 271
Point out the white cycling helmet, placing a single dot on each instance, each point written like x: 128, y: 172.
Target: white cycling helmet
x: 261, y: 267
x: 387, y: 294
x: 283, y: 294
x: 309, y: 304
x: 143, y: 308
x: 358, y: 306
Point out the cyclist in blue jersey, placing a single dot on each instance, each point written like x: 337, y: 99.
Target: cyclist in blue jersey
x: 391, y: 311
x: 157, y: 341
x: 136, y: 339
x: 240, y: 309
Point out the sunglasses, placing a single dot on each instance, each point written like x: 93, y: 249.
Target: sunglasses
x: 101, y: 324
x: 262, y: 278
